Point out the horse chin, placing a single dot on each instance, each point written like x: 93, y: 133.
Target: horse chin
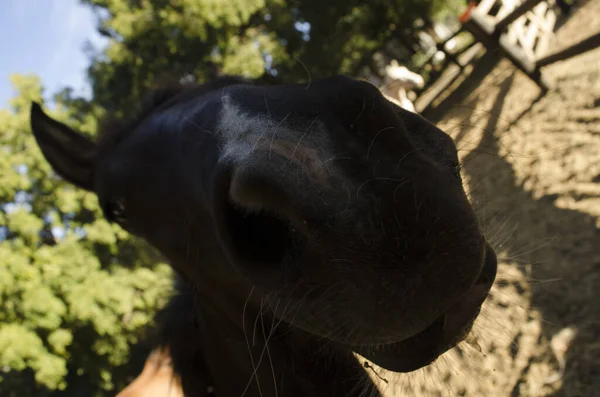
x: 417, y: 351
x: 441, y: 335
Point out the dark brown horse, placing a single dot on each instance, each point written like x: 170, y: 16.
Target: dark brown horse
x: 305, y: 223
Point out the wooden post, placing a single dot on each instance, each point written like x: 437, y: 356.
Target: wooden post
x: 518, y: 12
x: 449, y: 56
x: 466, y: 48
x: 584, y: 45
x: 441, y: 46
x: 481, y: 28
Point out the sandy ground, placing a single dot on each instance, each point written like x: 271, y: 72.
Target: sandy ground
x: 532, y: 166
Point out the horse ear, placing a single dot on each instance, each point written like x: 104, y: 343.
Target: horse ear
x: 70, y: 153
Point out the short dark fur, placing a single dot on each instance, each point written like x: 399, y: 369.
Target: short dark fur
x: 113, y: 128
x: 304, y: 223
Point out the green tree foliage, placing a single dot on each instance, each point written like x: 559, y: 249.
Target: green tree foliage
x: 256, y: 38
x: 74, y: 295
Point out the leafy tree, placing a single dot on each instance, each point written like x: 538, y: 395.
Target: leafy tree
x: 256, y: 38
x: 74, y: 296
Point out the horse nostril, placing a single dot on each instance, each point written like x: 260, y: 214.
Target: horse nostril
x: 257, y: 233
x: 259, y: 238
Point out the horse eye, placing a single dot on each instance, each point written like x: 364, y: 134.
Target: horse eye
x: 114, y: 210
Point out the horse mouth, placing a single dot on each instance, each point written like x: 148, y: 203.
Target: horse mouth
x: 417, y: 351
x: 441, y: 335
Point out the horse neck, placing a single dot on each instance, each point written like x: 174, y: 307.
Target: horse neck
x: 241, y: 337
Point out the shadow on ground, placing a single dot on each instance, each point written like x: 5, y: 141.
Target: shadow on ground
x: 555, y: 247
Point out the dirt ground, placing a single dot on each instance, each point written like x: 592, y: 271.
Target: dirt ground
x: 532, y: 166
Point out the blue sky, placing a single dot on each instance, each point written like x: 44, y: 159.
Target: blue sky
x: 46, y: 37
